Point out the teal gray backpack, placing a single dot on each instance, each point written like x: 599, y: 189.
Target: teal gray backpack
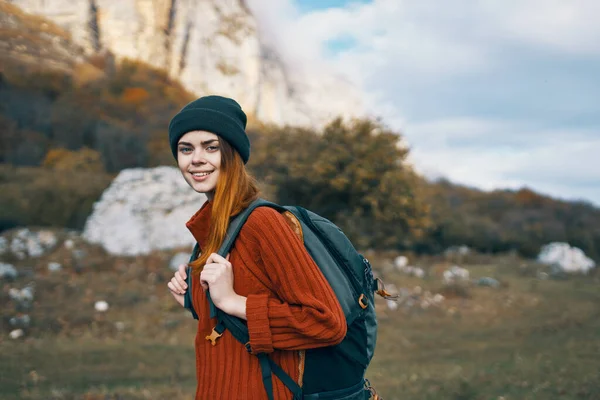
x: 335, y: 372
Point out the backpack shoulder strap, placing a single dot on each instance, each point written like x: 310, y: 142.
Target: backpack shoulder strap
x: 235, y: 225
x: 187, y: 297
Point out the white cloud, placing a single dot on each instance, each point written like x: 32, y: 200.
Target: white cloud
x: 487, y: 93
x: 567, y: 26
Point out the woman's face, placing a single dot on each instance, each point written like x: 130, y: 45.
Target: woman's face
x: 199, y: 160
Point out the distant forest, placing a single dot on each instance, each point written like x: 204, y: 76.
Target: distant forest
x: 64, y: 134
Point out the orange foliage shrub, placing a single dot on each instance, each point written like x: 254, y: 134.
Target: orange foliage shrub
x: 82, y: 160
x: 135, y: 95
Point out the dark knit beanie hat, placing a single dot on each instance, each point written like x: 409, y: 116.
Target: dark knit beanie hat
x: 219, y: 115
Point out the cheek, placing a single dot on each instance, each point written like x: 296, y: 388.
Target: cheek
x: 182, y: 162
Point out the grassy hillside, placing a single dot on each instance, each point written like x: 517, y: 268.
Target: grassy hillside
x: 530, y: 338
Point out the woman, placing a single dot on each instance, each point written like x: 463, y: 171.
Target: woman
x: 268, y: 278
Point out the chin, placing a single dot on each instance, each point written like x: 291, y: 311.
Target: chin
x: 203, y: 187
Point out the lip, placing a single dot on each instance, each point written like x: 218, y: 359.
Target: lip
x: 200, y: 178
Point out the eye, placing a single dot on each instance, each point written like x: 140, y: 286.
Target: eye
x: 185, y: 149
x: 212, y: 149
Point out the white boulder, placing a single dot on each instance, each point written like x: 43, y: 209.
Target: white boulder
x: 144, y: 210
x: 568, y: 259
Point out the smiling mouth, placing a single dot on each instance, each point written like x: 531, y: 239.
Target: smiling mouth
x: 200, y: 174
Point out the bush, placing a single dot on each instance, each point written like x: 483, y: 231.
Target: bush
x: 41, y: 197
x: 354, y: 174
x: 82, y: 160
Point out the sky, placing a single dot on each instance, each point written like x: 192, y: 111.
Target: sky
x: 490, y: 94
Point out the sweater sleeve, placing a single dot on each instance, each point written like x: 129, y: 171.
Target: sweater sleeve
x: 305, y: 312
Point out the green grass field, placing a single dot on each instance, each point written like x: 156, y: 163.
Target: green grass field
x: 528, y: 339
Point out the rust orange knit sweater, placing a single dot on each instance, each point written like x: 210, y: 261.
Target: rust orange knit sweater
x: 290, y: 307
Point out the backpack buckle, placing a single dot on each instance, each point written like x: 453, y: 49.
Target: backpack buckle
x: 384, y: 293
x: 373, y: 393
x: 214, y: 335
x: 362, y: 302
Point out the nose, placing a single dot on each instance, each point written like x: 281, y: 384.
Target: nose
x: 198, y: 157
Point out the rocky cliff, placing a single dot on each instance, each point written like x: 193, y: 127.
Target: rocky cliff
x: 211, y: 46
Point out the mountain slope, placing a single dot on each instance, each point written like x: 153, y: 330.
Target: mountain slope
x: 210, y: 46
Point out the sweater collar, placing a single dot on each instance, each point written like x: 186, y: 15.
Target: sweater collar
x: 199, y: 224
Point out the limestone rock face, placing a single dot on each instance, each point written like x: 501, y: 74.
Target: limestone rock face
x: 211, y: 46
x: 144, y: 210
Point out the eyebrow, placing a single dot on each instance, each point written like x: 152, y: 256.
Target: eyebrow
x: 203, y: 143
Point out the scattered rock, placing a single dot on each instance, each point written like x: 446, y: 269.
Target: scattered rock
x: 24, y: 295
x: 401, y: 262
x: 418, y: 272
x: 3, y: 245
x: 7, y: 271
x: 457, y: 250
x: 392, y: 305
x: 54, y: 267
x: 26, y: 243
x: 456, y: 274
x: 16, y: 334
x: 21, y: 321
x: 568, y: 259
x: 487, y: 281
x: 101, y: 306
x: 417, y: 298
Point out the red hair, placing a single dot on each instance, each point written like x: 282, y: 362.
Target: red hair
x: 234, y: 192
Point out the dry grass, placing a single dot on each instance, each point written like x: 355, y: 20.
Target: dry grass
x: 530, y: 339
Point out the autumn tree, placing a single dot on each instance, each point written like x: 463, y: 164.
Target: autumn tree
x: 354, y: 174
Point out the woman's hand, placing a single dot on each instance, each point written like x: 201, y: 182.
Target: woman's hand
x: 177, y: 284
x: 217, y: 275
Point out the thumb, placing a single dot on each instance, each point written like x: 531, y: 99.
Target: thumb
x: 183, y: 270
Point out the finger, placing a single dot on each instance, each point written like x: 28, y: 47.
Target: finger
x: 227, y: 257
x: 181, y: 280
x: 177, y: 286
x: 208, y: 276
x: 204, y: 282
x: 215, y: 258
x: 213, y: 267
x: 183, y: 270
x: 173, y: 289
